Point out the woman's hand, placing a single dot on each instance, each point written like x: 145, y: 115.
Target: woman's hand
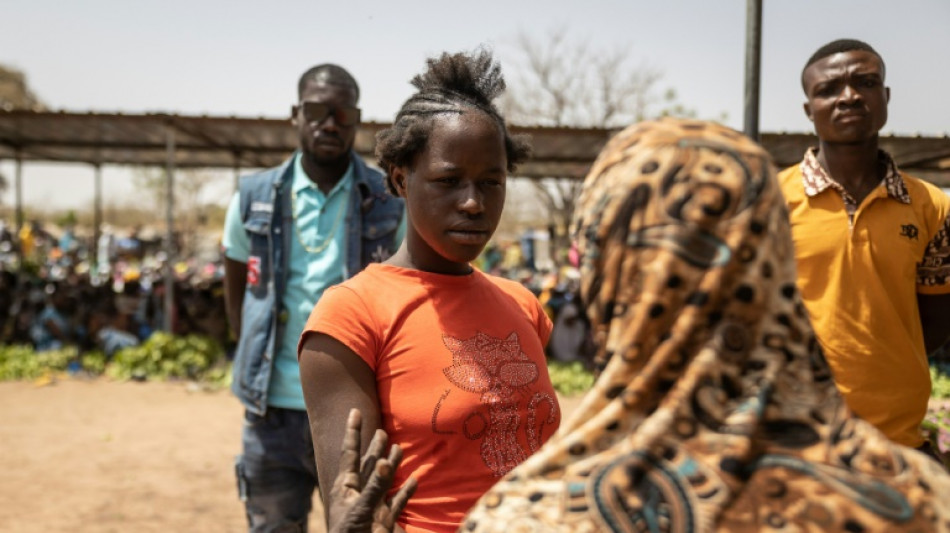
x: 358, y: 496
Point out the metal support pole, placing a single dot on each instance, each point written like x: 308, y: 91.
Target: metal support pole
x: 96, y: 216
x: 169, y: 227
x: 237, y: 170
x: 753, y: 50
x: 19, y: 192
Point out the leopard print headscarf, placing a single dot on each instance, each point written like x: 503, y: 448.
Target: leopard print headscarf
x: 715, y: 409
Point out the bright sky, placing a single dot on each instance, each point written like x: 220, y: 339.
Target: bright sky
x: 241, y: 57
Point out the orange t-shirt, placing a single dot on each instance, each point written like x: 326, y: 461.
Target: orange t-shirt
x: 461, y: 376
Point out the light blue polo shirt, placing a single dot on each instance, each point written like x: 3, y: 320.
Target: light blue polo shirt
x: 314, y: 265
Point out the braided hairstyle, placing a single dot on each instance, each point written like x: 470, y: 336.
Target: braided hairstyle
x: 453, y: 83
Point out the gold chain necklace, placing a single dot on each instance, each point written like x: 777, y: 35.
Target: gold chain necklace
x: 326, y: 240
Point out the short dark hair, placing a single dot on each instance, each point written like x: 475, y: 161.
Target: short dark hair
x: 836, y: 47
x: 452, y: 83
x: 328, y: 73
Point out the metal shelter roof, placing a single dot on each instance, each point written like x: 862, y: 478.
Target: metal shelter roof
x: 243, y: 142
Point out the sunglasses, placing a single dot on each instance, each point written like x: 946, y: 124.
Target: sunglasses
x: 318, y: 112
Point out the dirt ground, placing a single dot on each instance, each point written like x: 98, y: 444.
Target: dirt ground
x: 101, y: 456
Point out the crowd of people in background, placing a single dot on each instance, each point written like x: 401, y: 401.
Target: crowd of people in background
x: 59, y: 291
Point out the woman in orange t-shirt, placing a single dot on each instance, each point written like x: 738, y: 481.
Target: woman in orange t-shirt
x: 448, y: 360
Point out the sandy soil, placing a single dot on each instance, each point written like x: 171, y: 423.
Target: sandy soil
x: 101, y: 456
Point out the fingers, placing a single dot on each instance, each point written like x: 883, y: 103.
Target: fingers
x: 354, y: 421
x: 358, y: 497
x: 375, y: 450
x: 350, y: 453
x: 379, y: 482
x: 401, y: 498
x: 395, y: 455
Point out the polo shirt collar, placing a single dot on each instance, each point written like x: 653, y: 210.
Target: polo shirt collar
x: 816, y: 180
x: 301, y: 181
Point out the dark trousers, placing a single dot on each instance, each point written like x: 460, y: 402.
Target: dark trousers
x: 276, y: 473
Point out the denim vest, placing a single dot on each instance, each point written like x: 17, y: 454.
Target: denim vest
x: 372, y: 219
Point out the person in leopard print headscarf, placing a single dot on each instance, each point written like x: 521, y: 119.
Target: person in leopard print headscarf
x: 715, y: 409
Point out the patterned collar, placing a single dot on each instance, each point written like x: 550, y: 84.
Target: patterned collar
x: 817, y: 180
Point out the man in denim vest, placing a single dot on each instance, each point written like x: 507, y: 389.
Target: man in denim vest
x: 291, y: 232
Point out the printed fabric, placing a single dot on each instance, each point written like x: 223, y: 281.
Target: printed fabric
x: 715, y: 410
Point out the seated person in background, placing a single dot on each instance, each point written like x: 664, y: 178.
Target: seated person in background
x: 130, y: 306
x: 448, y: 360
x: 106, y: 332
x: 716, y: 410
x: 51, y: 329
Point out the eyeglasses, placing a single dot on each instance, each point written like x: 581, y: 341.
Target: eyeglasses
x: 318, y: 112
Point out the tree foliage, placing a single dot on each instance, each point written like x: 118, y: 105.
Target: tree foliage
x: 560, y: 81
x: 15, y: 92
x: 188, y: 210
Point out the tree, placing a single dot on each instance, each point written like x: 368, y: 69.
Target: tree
x: 559, y: 81
x: 188, y: 210
x: 15, y: 92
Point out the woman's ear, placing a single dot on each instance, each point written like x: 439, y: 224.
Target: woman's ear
x: 399, y: 176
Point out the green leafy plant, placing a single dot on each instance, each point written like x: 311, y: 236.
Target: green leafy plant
x: 570, y: 379
x: 936, y: 425
x: 22, y: 362
x: 93, y: 362
x: 940, y: 383
x: 162, y: 356
x: 165, y: 356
